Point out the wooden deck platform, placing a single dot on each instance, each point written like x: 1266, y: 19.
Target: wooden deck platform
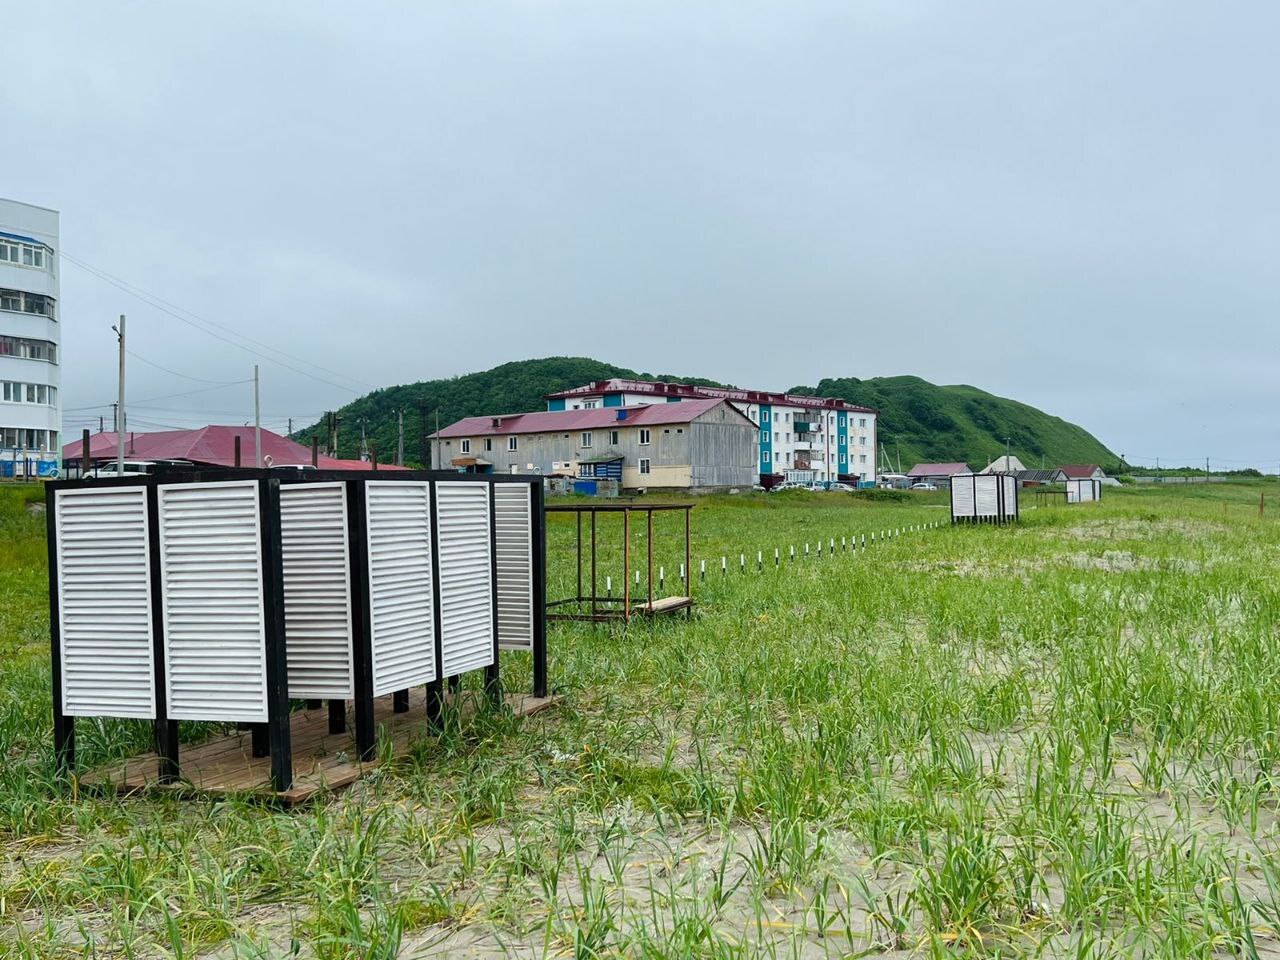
x: 666, y: 605
x: 321, y: 760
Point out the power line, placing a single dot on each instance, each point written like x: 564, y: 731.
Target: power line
x: 176, y: 312
x: 185, y: 376
x: 167, y: 396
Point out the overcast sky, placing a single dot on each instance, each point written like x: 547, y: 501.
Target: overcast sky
x: 1071, y: 204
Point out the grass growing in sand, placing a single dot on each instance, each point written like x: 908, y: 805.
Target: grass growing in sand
x: 1056, y: 739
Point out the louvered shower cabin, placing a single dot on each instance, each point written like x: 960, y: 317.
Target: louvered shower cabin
x: 222, y: 596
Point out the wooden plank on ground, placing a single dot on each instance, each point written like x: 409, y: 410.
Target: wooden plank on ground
x: 322, y: 761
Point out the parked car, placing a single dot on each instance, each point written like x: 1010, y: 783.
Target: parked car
x: 924, y: 486
x: 131, y: 468
x: 839, y: 487
x: 788, y: 485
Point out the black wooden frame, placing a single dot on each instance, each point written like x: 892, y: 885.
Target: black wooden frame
x: 273, y: 737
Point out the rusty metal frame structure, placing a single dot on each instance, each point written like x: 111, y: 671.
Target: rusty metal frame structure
x: 592, y: 606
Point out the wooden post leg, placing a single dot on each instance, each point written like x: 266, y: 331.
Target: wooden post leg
x: 400, y: 701
x: 337, y: 716
x: 64, y: 744
x: 435, y: 704
x: 261, y: 741
x: 167, y: 749
x: 493, y: 684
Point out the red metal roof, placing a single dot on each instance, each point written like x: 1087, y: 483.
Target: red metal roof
x: 213, y: 445
x: 658, y: 388
x: 937, y: 469
x: 598, y: 418
x: 1079, y: 471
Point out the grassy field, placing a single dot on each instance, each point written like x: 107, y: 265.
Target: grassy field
x: 1058, y: 739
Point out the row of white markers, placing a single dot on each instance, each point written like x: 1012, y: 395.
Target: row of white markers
x: 829, y: 548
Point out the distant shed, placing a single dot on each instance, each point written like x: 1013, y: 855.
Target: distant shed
x: 1083, y: 491
x: 984, y: 498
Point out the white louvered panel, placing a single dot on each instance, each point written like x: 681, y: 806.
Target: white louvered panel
x: 401, y: 608
x: 1010, y: 496
x: 1073, y: 491
x: 513, y: 532
x: 317, y: 590
x: 962, y: 490
x: 104, y: 602
x: 214, y: 622
x: 466, y: 576
x: 985, y: 505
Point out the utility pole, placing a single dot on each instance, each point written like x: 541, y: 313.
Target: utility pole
x: 426, y: 442
x: 100, y: 424
x: 115, y: 417
x: 120, y: 403
x: 1206, y: 469
x: 400, y: 442
x: 364, y: 444
x: 1006, y: 455
x: 289, y: 434
x: 257, y: 420
x: 437, y: 443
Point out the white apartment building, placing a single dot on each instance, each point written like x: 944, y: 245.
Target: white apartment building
x: 30, y: 314
x: 819, y: 438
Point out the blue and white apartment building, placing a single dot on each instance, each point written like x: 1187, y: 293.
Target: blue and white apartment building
x: 818, y: 438
x: 30, y: 405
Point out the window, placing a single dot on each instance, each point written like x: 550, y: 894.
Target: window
x: 512, y: 443
x: 788, y: 418
x: 644, y: 465
x: 777, y: 437
x: 466, y: 446
x: 586, y: 438
x: 862, y: 458
x: 29, y: 255
x: 28, y: 349
x: 764, y: 416
x: 862, y: 422
x: 613, y: 438
x: 488, y: 443
x: 765, y: 457
x: 644, y: 436
x: 842, y: 439
x: 862, y: 441
x: 764, y: 436
x: 842, y: 458
x: 788, y: 438
x: 31, y: 393
x: 590, y: 404
x: 788, y: 456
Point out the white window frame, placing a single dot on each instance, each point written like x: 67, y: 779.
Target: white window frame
x: 644, y: 466
x: 645, y: 437
x: 465, y: 446
x: 585, y: 440
x: 613, y: 438
x: 513, y: 443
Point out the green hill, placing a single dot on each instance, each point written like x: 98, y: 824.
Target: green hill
x: 516, y: 387
x: 921, y: 421
x: 918, y: 420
